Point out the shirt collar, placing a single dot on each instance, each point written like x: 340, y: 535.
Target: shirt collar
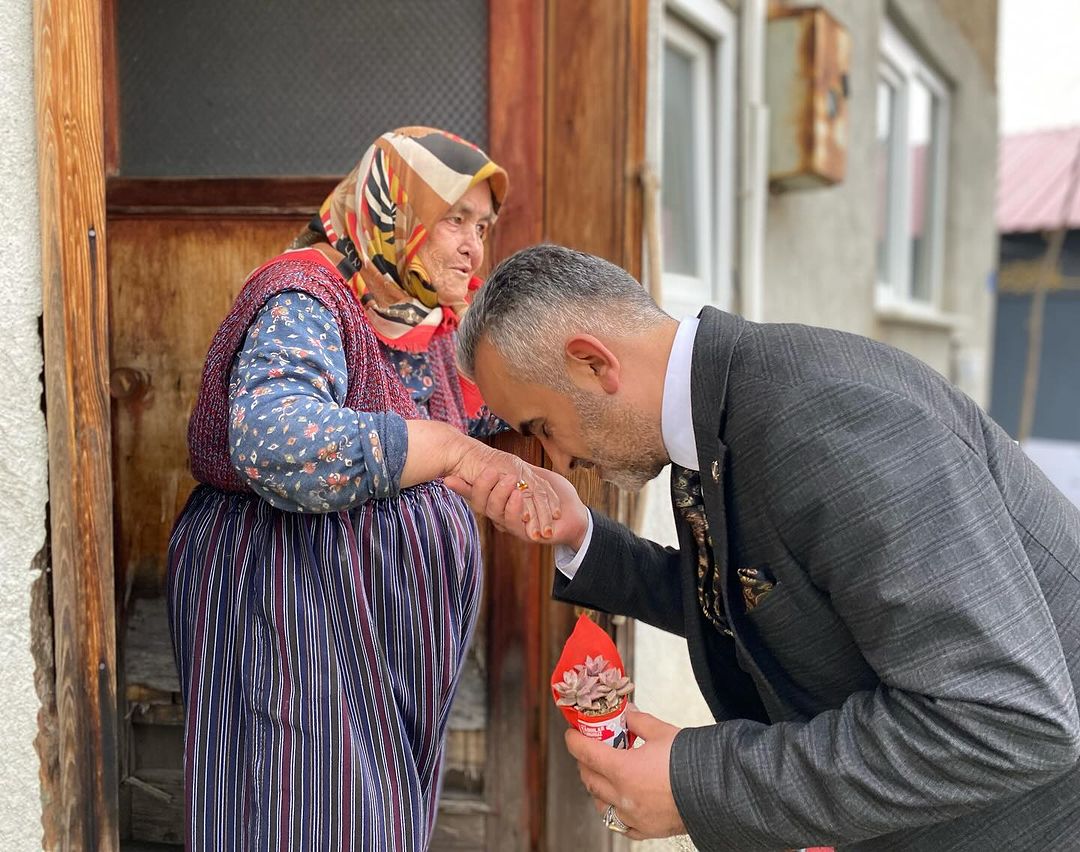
x: 676, y: 416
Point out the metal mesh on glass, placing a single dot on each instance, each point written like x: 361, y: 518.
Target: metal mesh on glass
x: 250, y: 87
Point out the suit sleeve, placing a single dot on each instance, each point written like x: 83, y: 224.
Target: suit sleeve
x: 900, y: 524
x: 627, y: 575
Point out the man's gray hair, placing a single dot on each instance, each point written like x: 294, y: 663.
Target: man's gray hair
x: 539, y: 296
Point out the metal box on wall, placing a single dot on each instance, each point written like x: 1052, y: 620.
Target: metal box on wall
x: 807, y: 61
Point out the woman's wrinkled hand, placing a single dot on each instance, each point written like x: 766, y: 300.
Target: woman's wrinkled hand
x: 547, y: 509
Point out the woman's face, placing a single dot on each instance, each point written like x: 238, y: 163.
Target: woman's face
x: 454, y: 249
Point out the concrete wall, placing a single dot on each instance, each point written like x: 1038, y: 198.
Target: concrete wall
x: 819, y: 244
x: 22, y: 427
x: 980, y: 30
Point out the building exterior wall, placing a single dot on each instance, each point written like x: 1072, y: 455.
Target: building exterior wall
x: 980, y: 30
x: 819, y: 244
x: 23, y: 488
x: 819, y: 261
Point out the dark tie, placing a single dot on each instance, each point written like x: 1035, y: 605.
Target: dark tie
x: 686, y: 495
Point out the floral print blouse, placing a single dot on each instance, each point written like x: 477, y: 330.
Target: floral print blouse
x: 414, y: 369
x: 290, y: 437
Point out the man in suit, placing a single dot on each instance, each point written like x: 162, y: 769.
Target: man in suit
x: 879, y: 592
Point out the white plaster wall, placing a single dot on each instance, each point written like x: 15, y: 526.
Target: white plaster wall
x: 819, y: 243
x: 23, y: 487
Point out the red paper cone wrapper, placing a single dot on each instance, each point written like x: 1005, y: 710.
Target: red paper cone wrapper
x: 588, y: 640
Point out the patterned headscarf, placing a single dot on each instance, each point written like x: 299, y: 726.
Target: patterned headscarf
x: 381, y: 213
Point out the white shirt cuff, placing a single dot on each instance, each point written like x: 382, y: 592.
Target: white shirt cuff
x: 566, y: 560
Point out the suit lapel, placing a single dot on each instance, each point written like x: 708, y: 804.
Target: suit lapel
x: 714, y: 347
x: 725, y: 686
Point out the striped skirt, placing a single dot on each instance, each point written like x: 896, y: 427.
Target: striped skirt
x: 318, y: 657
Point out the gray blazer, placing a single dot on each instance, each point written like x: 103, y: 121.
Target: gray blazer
x: 910, y: 681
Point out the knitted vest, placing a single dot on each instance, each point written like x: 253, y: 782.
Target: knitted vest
x: 373, y: 386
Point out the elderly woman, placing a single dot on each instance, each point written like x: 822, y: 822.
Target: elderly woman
x: 323, y: 582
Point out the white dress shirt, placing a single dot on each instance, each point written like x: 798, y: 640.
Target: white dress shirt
x: 676, y: 429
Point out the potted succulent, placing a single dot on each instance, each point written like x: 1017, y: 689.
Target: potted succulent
x: 589, y: 686
x: 595, y: 687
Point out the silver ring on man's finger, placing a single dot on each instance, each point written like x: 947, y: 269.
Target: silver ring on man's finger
x: 612, y: 821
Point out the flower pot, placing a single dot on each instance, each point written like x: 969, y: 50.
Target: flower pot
x: 609, y: 728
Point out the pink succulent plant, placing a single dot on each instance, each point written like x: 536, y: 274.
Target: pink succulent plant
x: 595, y: 687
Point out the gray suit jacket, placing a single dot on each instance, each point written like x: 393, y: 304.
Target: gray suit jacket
x: 910, y: 682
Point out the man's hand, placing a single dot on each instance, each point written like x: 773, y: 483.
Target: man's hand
x: 635, y: 781
x: 493, y: 492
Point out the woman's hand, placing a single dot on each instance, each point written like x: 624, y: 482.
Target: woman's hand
x: 516, y: 496
x: 495, y: 495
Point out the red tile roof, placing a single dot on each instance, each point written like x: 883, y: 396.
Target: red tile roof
x: 1034, y: 171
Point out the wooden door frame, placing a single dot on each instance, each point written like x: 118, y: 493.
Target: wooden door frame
x: 81, y: 811
x: 517, y: 753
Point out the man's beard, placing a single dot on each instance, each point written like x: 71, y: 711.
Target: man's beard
x: 622, y: 442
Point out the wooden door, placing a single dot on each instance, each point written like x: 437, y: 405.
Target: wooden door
x: 77, y: 729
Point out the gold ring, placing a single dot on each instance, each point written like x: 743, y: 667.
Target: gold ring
x: 521, y: 485
x: 612, y: 821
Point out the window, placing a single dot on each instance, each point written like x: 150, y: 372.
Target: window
x: 912, y: 123
x: 695, y: 154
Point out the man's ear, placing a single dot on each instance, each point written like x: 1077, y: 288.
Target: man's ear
x: 591, y: 365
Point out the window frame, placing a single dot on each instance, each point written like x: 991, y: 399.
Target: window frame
x: 706, y: 29
x: 900, y: 66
